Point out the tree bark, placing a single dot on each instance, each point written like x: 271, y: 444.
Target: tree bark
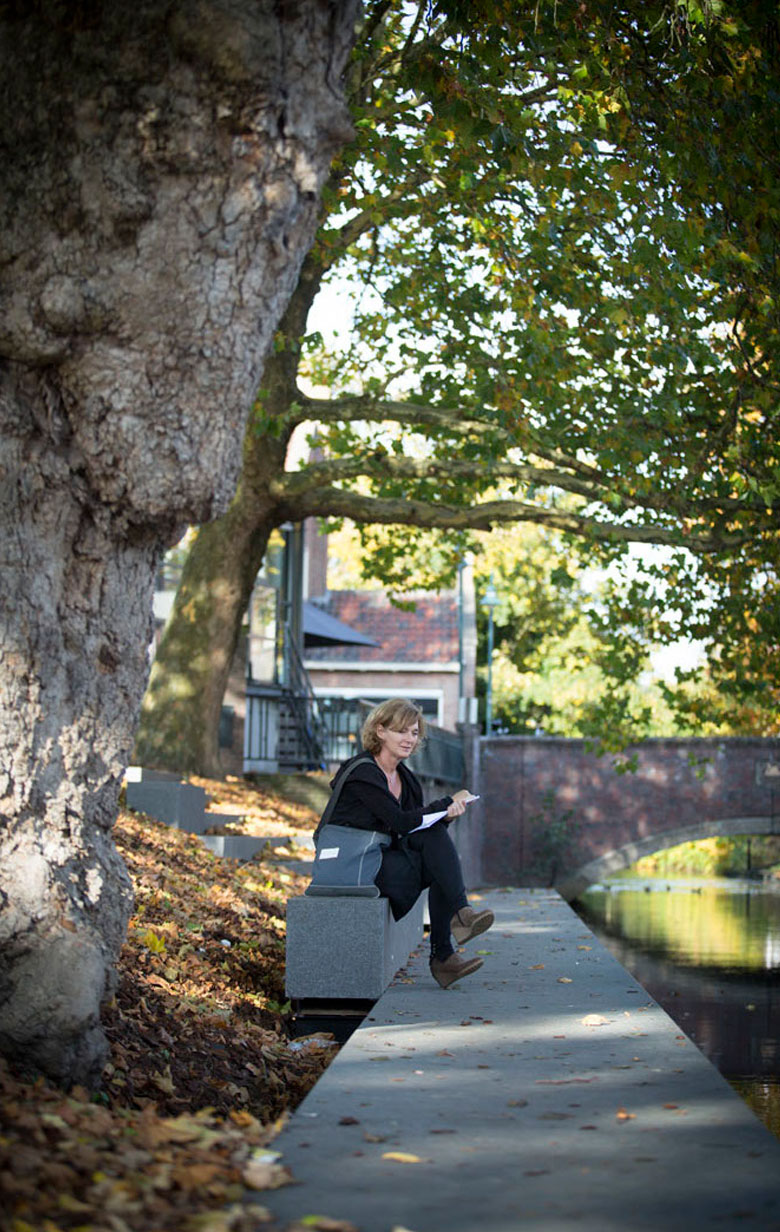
x: 161, y: 166
x: 179, y: 727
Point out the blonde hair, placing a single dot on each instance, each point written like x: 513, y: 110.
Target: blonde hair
x: 397, y: 714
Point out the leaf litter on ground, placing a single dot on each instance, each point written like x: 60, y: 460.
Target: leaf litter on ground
x: 202, y: 1070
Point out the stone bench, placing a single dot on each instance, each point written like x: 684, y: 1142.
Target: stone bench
x: 240, y: 847
x: 347, y: 946
x: 167, y: 798
x: 182, y: 806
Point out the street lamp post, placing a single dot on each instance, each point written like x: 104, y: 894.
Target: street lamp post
x: 489, y: 601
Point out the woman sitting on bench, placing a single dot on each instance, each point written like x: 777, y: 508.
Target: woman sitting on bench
x: 381, y: 793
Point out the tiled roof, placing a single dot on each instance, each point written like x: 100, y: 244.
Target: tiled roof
x: 429, y: 634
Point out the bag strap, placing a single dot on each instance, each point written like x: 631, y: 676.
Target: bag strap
x: 337, y: 786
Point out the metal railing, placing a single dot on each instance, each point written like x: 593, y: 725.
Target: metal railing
x: 343, y: 718
x: 300, y: 698
x: 283, y: 728
x: 327, y: 732
x: 261, y: 728
x: 440, y: 758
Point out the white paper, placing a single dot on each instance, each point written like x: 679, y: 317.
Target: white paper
x: 430, y: 818
x: 329, y: 853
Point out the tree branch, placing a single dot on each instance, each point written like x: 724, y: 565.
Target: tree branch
x: 458, y: 423
x: 354, y: 408
x: 338, y: 502
x: 338, y: 239
x: 382, y: 465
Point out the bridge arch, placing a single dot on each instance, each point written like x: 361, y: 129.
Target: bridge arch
x: 538, y: 793
x: 572, y: 884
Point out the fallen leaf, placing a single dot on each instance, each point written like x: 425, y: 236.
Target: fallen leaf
x: 594, y: 1020
x: 153, y: 942
x: 72, y: 1205
x: 164, y: 1081
x: 259, y: 1175
x: 193, y: 1176
x: 622, y: 1115
x: 402, y: 1157
x: 562, y: 1082
x: 348, y: 1120
x: 564, y: 979
x: 537, y: 967
x: 323, y: 1223
x: 223, y: 1221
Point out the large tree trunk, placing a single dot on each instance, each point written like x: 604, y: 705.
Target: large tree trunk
x: 161, y: 166
x: 180, y: 714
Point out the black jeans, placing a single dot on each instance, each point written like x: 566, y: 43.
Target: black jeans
x: 440, y: 871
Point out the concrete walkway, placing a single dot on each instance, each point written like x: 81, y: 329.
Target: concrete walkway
x: 545, y: 1092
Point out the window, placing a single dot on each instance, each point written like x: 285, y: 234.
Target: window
x: 264, y: 608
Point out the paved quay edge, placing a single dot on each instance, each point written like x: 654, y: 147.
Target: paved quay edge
x: 547, y: 1091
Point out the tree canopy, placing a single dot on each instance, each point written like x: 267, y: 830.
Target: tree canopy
x: 566, y: 236
x: 560, y: 223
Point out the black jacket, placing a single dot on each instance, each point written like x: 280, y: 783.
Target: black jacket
x: 367, y: 803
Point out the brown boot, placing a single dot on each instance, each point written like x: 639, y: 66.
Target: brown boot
x: 447, y: 970
x: 468, y: 923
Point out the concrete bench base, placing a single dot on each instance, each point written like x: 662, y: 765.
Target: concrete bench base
x: 347, y: 948
x: 181, y: 805
x: 234, y: 846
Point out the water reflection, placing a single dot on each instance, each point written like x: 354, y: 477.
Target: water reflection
x: 708, y: 950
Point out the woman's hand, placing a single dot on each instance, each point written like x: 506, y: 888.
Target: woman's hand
x: 459, y: 802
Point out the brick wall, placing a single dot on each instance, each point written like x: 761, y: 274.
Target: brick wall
x: 693, y: 788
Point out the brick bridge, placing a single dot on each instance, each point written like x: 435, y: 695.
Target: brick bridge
x: 679, y: 790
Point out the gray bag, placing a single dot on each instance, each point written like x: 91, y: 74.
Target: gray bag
x: 347, y: 859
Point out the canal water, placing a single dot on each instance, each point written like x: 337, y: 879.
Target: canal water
x: 708, y: 951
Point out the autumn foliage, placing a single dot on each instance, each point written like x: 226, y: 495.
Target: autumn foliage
x: 202, y: 1064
